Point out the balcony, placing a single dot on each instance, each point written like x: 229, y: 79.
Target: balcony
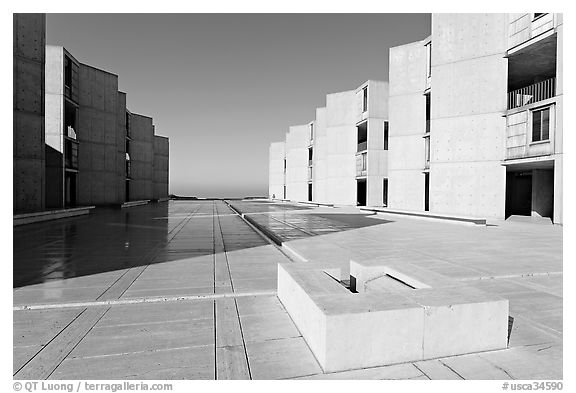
x: 309, y: 173
x: 531, y: 94
x: 361, y: 164
x: 362, y: 146
x: 70, y: 153
x: 530, y: 134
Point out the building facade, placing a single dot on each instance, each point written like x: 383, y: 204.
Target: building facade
x: 75, y: 143
x: 97, y: 151
x: 341, y: 156
x: 476, y: 117
x: 470, y: 124
x: 29, y: 56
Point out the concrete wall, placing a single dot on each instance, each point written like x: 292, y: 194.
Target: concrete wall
x: 297, y: 142
x: 320, y: 158
x: 54, y: 127
x: 377, y: 165
x: 98, y: 156
x: 341, y: 144
x: 407, y: 127
x: 276, y: 179
x: 469, y: 85
x: 121, y: 146
x: 161, y: 164
x: 29, y: 31
x: 558, y: 143
x: 142, y: 157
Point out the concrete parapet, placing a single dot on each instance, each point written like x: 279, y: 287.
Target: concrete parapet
x: 421, y: 214
x: 29, y: 218
x: 415, y: 316
x: 134, y: 203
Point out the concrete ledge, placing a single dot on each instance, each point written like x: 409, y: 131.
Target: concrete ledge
x: 159, y: 200
x: 134, y: 203
x: 402, y: 313
x: 436, y: 216
x: 29, y: 218
x: 271, y: 235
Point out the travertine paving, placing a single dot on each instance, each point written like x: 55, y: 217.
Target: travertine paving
x: 186, y: 290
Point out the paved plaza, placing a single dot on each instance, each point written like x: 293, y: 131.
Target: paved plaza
x: 187, y: 290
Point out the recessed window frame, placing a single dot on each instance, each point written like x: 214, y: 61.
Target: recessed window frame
x: 541, y: 137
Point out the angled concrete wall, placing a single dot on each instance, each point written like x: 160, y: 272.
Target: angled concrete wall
x: 276, y: 177
x: 407, y: 127
x: 161, y: 164
x: 469, y: 86
x: 377, y: 157
x: 121, y: 146
x: 341, y: 145
x: 54, y: 126
x: 98, y: 156
x: 29, y: 31
x: 142, y: 157
x: 297, y: 142
x: 320, y: 158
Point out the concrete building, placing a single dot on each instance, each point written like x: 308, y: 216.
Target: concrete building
x: 277, y: 170
x: 94, y: 151
x: 340, y: 157
x: 475, y: 117
x: 161, y: 166
x: 29, y: 31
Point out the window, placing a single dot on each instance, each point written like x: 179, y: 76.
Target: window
x: 427, y: 151
x: 67, y: 71
x: 284, y: 165
x: 428, y: 103
x: 385, y: 135
x: 311, y: 132
x: 541, y: 125
x: 429, y: 59
x: 362, y: 136
x: 385, y: 192
x: 310, y: 156
x: 363, y: 168
x: 538, y: 15
x: 71, y: 154
x: 365, y: 99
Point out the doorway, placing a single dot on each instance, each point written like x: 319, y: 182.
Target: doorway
x: 361, y: 192
x: 519, y: 193
x: 70, y: 189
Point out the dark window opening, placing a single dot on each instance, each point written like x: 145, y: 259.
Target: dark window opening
x: 426, y: 192
x: 428, y: 113
x: 385, y: 192
x: 385, y: 135
x: 538, y: 15
x: 362, y: 130
x: 310, y: 156
x: 127, y: 124
x: 71, y: 154
x: 70, y: 120
x: 541, y: 125
x: 365, y: 99
x: 67, y: 72
x: 127, y: 182
x: 284, y: 192
x: 284, y: 165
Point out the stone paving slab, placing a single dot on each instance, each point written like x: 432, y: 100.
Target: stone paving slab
x: 181, y: 363
x: 175, y: 247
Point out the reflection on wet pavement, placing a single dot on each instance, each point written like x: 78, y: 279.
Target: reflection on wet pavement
x: 291, y: 222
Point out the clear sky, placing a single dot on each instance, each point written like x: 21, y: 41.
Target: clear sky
x: 223, y: 86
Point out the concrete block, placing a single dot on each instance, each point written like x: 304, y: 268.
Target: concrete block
x: 419, y: 315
